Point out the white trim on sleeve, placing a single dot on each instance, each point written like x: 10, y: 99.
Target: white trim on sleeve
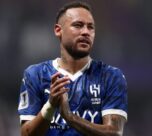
x: 27, y: 117
x: 114, y: 111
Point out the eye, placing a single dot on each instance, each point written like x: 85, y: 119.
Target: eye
x: 91, y: 27
x: 78, y: 25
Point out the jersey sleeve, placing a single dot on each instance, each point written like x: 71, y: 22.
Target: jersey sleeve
x: 29, y: 98
x: 115, y: 97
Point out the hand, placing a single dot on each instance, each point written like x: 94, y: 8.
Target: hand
x: 57, y: 88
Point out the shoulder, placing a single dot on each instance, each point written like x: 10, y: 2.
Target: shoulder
x: 114, y: 71
x: 113, y: 76
x: 35, y: 69
x: 107, y: 70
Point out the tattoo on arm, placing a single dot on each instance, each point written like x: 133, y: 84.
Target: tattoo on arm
x: 112, y: 126
x: 115, y: 122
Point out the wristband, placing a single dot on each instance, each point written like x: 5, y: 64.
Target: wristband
x: 47, y: 111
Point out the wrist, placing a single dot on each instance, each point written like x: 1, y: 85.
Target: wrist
x: 47, y: 111
x: 69, y: 117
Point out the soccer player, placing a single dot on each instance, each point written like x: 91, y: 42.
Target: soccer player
x: 73, y: 95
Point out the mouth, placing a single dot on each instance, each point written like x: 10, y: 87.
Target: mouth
x: 84, y: 41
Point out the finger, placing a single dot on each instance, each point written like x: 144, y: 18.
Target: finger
x: 62, y: 91
x: 54, y: 77
x: 56, y: 88
x: 60, y: 80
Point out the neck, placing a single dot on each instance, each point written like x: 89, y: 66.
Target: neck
x: 72, y: 65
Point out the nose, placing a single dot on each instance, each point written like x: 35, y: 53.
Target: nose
x: 85, y: 31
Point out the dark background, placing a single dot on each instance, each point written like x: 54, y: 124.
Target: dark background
x: 123, y: 39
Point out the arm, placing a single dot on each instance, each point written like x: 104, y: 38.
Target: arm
x: 41, y: 123
x: 37, y: 126
x: 112, y: 124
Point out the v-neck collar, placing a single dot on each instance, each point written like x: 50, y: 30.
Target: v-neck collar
x: 73, y: 77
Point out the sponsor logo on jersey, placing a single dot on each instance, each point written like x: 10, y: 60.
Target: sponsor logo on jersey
x: 60, y: 123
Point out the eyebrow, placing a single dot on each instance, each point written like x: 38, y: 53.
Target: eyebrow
x: 77, y: 21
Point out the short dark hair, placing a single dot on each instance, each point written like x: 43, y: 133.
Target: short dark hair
x: 75, y: 4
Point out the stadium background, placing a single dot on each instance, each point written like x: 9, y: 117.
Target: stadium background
x: 123, y: 39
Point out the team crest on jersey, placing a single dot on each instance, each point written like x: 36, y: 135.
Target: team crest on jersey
x: 95, y: 94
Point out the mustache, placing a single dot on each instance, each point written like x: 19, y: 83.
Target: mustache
x: 84, y: 40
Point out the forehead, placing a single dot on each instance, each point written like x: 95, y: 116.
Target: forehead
x: 78, y: 14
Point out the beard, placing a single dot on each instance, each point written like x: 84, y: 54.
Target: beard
x: 77, y: 53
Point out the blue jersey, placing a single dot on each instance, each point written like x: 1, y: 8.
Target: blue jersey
x: 95, y: 91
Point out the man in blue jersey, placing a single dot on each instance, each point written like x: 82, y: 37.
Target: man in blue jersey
x: 73, y: 95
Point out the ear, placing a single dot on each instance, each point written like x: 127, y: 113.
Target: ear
x: 57, y: 30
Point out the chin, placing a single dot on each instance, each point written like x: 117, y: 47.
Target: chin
x: 80, y: 54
